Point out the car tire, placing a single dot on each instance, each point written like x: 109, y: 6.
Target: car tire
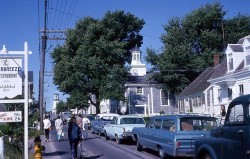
x: 139, y: 147
x: 99, y: 133
x: 92, y: 131
x: 161, y: 153
x: 207, y: 156
x: 117, y: 140
x: 106, y: 136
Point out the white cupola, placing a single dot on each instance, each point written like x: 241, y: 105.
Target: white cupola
x: 137, y: 67
x: 55, y: 101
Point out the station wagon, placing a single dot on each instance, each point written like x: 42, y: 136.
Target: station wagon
x: 173, y: 135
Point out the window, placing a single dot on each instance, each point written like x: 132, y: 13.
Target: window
x: 164, y: 98
x: 248, y: 55
x: 230, y: 62
x: 139, y: 90
x: 229, y: 92
x: 168, y: 125
x: 157, y: 123
x: 236, y: 115
x: 241, y: 89
x: 219, y: 95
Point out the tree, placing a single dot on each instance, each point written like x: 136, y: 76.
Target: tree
x: 91, y: 65
x: 61, y: 107
x: 191, y: 42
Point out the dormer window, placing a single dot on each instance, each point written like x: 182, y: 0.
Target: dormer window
x: 230, y: 62
x: 247, y: 55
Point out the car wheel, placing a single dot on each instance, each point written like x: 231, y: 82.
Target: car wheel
x: 117, y: 140
x: 92, y: 131
x: 138, y: 145
x: 207, y: 156
x: 99, y: 133
x: 106, y: 136
x: 161, y: 153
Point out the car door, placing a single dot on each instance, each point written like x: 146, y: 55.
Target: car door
x: 110, y: 127
x: 234, y: 130
x: 145, y: 133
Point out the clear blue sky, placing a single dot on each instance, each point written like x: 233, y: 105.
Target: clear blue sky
x: 22, y: 19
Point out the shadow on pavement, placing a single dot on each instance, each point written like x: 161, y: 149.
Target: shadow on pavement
x: 56, y: 153
x: 92, y: 157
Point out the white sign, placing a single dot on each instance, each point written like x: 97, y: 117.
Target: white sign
x: 13, y: 116
x: 10, y: 77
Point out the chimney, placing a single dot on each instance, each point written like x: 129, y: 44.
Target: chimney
x: 216, y: 59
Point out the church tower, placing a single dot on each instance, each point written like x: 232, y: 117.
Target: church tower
x: 137, y: 67
x: 55, y: 101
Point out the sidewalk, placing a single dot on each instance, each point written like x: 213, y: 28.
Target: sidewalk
x: 53, y: 148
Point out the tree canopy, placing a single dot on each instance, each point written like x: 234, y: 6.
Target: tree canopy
x: 191, y: 42
x: 91, y: 65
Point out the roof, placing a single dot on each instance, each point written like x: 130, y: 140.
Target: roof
x: 136, y: 48
x: 182, y: 116
x: 147, y: 79
x: 236, y: 47
x: 221, y: 69
x: 199, y: 84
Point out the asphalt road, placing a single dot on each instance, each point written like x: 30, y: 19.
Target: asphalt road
x: 95, y: 147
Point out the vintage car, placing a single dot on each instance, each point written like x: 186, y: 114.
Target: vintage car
x: 232, y: 140
x: 121, y: 127
x: 101, y: 120
x: 173, y: 135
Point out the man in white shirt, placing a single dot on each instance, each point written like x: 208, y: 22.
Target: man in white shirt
x: 85, y: 125
x: 46, y: 126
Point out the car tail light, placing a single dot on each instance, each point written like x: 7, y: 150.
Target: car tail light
x: 178, y: 144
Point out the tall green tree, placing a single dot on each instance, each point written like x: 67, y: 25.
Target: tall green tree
x: 191, y: 42
x: 91, y: 65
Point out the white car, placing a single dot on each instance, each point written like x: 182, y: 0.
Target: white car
x: 121, y: 127
x: 100, y: 120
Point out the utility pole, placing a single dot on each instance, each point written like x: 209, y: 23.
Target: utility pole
x: 44, y: 38
x: 42, y: 67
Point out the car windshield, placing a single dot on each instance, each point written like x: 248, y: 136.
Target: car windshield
x: 91, y: 118
x: 193, y: 124
x: 107, y: 118
x: 132, y: 121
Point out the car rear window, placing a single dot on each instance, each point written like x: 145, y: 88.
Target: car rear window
x: 194, y: 124
x: 132, y: 121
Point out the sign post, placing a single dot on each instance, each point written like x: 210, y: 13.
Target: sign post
x: 10, y: 75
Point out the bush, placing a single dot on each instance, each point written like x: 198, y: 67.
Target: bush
x: 33, y: 133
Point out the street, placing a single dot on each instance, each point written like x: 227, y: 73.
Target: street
x: 95, y: 147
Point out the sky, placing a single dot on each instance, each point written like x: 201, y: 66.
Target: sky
x: 21, y: 21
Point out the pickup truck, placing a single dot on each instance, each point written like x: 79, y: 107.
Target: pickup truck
x: 100, y: 120
x: 121, y: 127
x: 173, y: 135
x: 232, y: 140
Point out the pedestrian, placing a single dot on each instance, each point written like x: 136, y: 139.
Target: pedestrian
x: 79, y: 122
x: 59, y: 128
x: 85, y: 123
x: 74, y: 135
x: 223, y: 110
x: 47, y: 127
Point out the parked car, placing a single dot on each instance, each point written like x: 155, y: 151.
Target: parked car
x: 91, y: 118
x: 66, y: 116
x: 232, y: 140
x: 121, y: 127
x: 173, y: 135
x: 100, y: 120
